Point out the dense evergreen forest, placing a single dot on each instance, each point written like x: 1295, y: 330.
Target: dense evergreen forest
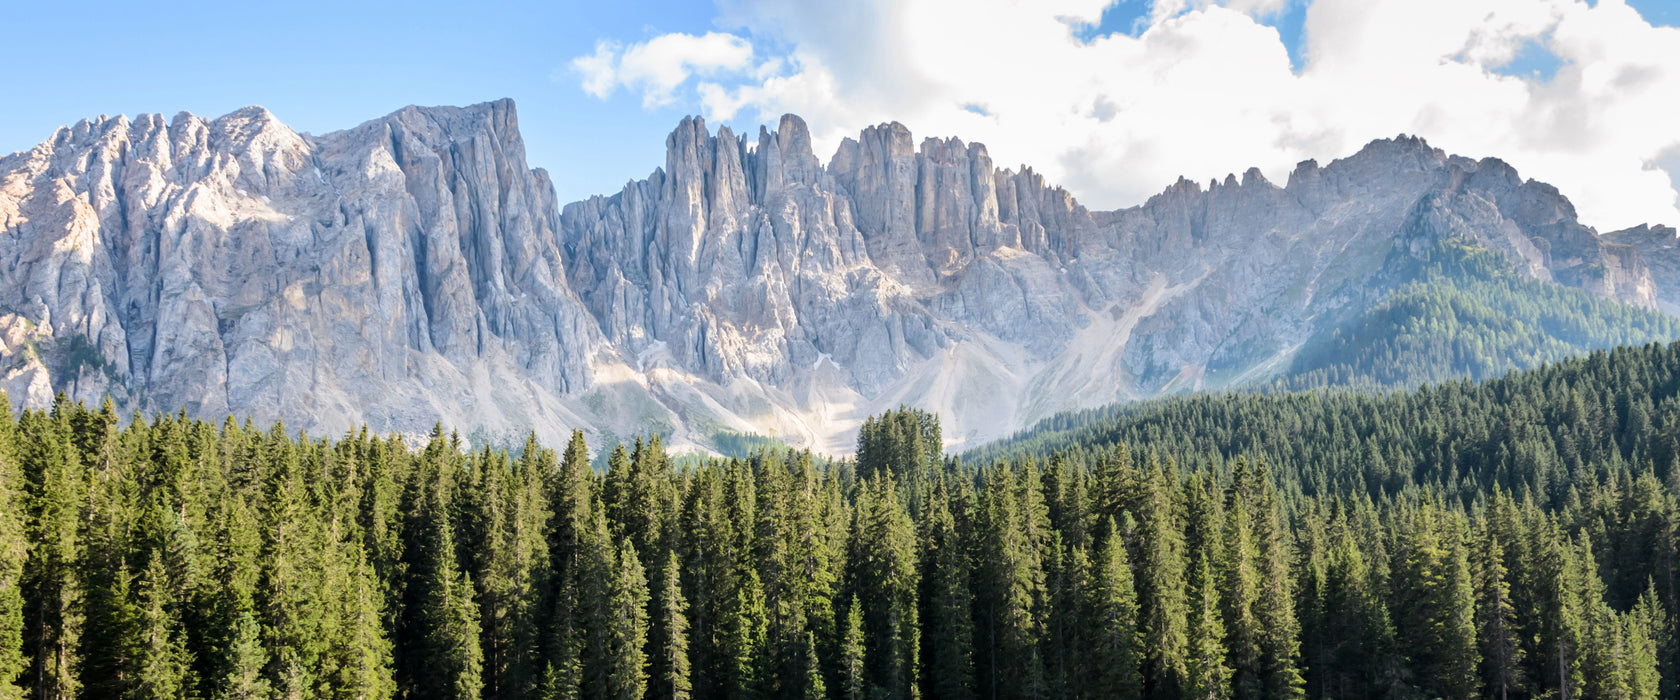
x: 1510, y: 539
x: 1467, y: 313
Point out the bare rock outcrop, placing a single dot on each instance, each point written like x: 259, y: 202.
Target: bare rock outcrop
x: 387, y: 274
x: 415, y: 269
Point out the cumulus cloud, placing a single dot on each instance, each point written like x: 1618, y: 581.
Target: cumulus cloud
x: 658, y: 66
x: 1201, y: 88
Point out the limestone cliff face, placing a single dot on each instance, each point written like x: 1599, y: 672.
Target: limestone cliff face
x: 1659, y: 249
x: 924, y: 274
x: 415, y: 269
x: 382, y: 274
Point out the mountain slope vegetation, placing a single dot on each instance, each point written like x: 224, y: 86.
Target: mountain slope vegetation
x: 1468, y: 314
x: 1510, y: 538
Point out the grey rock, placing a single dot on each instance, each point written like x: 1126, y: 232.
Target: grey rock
x: 414, y: 269
x: 388, y: 274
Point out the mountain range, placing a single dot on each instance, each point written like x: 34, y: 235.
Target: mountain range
x: 415, y: 269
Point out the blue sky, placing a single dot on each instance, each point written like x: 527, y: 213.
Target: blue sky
x: 326, y: 66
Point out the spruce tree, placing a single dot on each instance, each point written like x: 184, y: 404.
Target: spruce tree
x: 812, y: 686
x: 1161, y: 582
x: 448, y: 648
x: 457, y: 657
x: 627, y: 634
x: 1439, y: 601
x: 1501, y: 653
x: 1010, y: 583
x: 947, y: 604
x: 290, y: 587
x: 569, y: 530
x: 675, y: 682
x: 53, y: 593
x: 1280, y: 630
x: 162, y: 665
x: 854, y: 683
x: 1238, y: 569
x: 598, y: 564
x: 743, y: 646
x: 1207, y: 676
x: 885, y: 575
x: 362, y: 651
x: 1114, y: 646
x: 246, y: 659
x: 14, y: 554
x: 1643, y: 629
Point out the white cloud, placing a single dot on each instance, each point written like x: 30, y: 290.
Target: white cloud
x: 1205, y: 89
x: 656, y: 67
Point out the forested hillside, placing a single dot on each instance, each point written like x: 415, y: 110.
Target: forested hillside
x: 1512, y: 539
x: 1467, y: 313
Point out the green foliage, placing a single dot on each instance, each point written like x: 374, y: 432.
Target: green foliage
x: 79, y: 352
x: 1516, y: 538
x: 905, y: 443
x: 733, y: 444
x: 675, y: 682
x: 627, y: 637
x: 14, y: 553
x: 1112, y: 636
x: 1469, y: 314
x: 853, y: 656
x: 1207, y: 675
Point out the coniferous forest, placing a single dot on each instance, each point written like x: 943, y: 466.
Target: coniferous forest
x: 1466, y: 312
x: 1508, y: 539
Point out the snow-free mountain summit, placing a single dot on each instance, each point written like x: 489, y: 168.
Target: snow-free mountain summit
x: 415, y: 269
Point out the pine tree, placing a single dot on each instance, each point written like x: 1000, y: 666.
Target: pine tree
x: 947, y: 604
x: 14, y: 554
x: 162, y: 665
x: 447, y: 646
x: 1010, y: 582
x: 675, y: 682
x: 743, y: 644
x: 246, y: 659
x: 1207, y: 676
x: 52, y: 592
x: 813, y: 687
x: 1502, y: 655
x: 885, y: 575
x: 854, y: 684
x: 1274, y: 608
x: 1114, y: 647
x: 627, y: 634
x: 1161, y: 591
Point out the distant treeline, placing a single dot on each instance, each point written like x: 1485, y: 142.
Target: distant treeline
x: 1468, y: 313
x: 1512, y: 539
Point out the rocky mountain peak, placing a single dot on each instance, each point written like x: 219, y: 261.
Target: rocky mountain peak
x: 416, y: 268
